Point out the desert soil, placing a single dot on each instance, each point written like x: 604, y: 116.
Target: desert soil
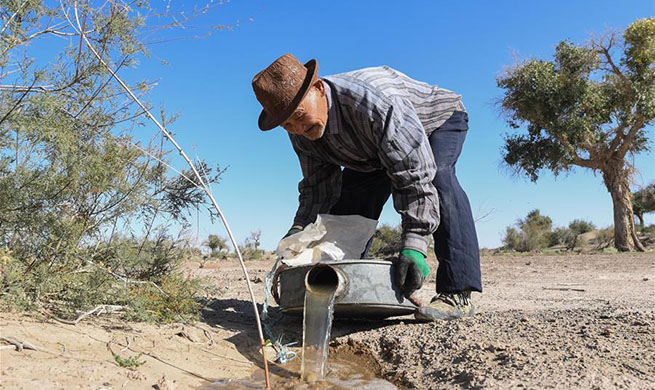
x: 563, y: 322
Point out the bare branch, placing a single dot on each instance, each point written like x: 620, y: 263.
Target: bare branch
x: 18, y: 345
x: 603, y: 49
x: 47, y: 30
x: 100, y: 309
x: 630, y: 137
x: 18, y: 102
x: 575, y: 157
x: 585, y: 163
x: 485, y: 215
x: 619, y: 136
x: 27, y: 88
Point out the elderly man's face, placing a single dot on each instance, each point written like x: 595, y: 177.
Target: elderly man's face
x: 310, y: 118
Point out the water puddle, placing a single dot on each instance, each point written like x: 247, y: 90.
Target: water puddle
x: 342, y: 372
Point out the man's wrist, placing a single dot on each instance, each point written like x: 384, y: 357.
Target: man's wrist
x: 417, y: 258
x: 416, y: 242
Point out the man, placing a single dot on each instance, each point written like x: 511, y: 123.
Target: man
x: 393, y: 135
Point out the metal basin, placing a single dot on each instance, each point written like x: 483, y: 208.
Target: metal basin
x: 365, y: 289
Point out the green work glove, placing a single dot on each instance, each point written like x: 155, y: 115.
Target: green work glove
x: 410, y: 270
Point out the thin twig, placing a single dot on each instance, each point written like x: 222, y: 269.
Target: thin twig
x: 26, y: 88
x: 124, y: 279
x: 164, y: 163
x: 564, y: 289
x: 485, y: 215
x: 127, y: 340
x: 13, y: 16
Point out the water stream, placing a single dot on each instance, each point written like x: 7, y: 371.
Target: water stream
x: 317, y: 323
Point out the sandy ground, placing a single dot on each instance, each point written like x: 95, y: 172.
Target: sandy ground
x: 580, y: 321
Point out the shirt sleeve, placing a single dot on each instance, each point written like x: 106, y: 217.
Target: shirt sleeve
x: 405, y: 153
x: 319, y: 189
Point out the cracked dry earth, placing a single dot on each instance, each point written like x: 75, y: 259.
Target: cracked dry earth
x: 560, y: 349
x: 558, y: 322
x: 543, y: 322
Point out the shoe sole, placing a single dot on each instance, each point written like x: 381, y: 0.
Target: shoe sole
x: 435, y: 315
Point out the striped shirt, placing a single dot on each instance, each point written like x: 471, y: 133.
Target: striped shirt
x: 378, y: 118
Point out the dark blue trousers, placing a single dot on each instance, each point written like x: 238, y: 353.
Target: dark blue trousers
x: 455, y: 241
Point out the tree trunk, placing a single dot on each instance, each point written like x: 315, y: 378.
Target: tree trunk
x: 625, y: 235
x: 641, y: 220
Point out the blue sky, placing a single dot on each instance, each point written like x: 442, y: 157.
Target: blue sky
x: 458, y: 45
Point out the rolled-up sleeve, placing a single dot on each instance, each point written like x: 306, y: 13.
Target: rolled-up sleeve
x: 405, y: 153
x: 318, y: 190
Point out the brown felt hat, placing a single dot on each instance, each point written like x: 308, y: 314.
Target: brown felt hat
x: 281, y: 87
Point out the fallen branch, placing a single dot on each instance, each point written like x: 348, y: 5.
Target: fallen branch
x: 100, y: 309
x: 564, y: 289
x: 17, y: 345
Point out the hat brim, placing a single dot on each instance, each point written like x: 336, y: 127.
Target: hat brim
x: 267, y: 122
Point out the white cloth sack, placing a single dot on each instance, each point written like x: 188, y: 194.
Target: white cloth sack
x: 331, y: 237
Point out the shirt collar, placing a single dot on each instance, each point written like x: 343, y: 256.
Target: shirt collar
x: 332, y: 126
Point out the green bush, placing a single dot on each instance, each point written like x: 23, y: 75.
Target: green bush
x: 579, y: 226
x: 145, y: 282
x: 72, y: 174
x: 533, y: 233
x: 387, y: 242
x: 559, y: 236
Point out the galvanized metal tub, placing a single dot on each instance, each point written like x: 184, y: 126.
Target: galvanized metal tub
x: 365, y: 289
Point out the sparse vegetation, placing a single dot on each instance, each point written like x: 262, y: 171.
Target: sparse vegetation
x: 250, y: 249
x: 72, y: 176
x: 531, y: 233
x: 131, y: 363
x: 386, y: 242
x: 535, y: 233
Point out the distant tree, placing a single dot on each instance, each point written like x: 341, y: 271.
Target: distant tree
x: 250, y: 248
x: 255, y: 238
x: 643, y: 202
x: 589, y: 107
x: 533, y: 233
x: 216, y: 244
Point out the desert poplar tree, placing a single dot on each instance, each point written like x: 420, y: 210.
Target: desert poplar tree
x: 592, y: 106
